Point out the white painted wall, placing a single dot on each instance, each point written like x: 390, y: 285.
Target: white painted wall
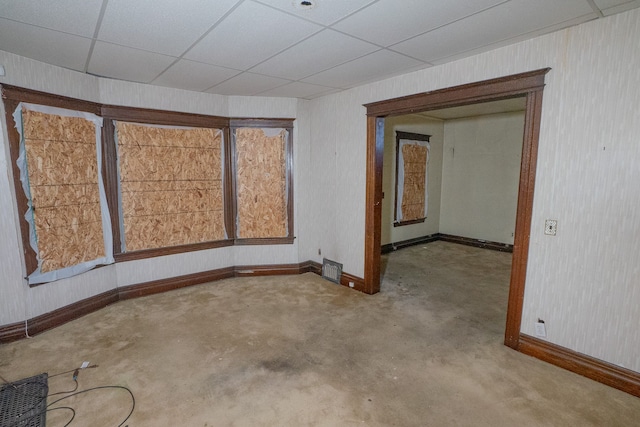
x: 18, y: 302
x: 480, y: 176
x: 584, y: 282
x: 414, y: 124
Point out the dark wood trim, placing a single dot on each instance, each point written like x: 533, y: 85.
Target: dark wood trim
x: 20, y: 94
x: 150, y: 253
x: 373, y: 204
x: 311, y: 267
x: 111, y: 182
x: 267, y: 270
x: 587, y: 366
x: 265, y: 241
x: 501, y: 88
x: 478, y: 243
x: 530, y: 85
x: 413, y: 221
x: 533, y: 113
x: 390, y: 247
x: 164, y: 285
x: 70, y: 312
x: 229, y: 186
x: 12, y: 332
x: 239, y: 122
x: 162, y: 117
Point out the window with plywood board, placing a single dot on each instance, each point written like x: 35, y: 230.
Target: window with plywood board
x: 171, y: 185
x: 412, y: 157
x: 263, y: 180
x: 66, y: 217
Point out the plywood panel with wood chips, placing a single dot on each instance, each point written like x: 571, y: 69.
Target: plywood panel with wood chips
x: 63, y: 179
x: 415, y: 168
x: 261, y: 183
x: 171, y: 185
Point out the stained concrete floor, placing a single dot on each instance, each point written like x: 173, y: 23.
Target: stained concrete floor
x: 301, y: 351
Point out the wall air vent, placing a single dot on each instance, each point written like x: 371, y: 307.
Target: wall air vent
x: 331, y: 270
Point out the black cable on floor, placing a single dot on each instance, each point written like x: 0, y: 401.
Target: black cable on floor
x: 133, y: 399
x: 73, y: 413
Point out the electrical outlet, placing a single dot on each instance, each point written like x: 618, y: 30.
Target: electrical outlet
x: 541, y: 331
x: 550, y: 227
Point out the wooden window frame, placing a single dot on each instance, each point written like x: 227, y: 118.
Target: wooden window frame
x: 12, y: 96
x: 412, y: 137
x: 111, y: 114
x: 286, y: 124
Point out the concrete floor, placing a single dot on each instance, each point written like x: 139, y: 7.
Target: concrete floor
x: 298, y: 350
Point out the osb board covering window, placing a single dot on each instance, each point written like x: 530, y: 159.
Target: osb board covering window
x: 63, y: 180
x: 261, y: 183
x: 171, y: 185
x: 415, y: 169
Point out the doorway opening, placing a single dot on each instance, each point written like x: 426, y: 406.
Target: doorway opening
x: 529, y: 85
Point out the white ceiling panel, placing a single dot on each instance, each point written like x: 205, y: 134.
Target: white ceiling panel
x: 324, y: 12
x: 124, y: 63
x: 319, y: 52
x: 158, y: 25
x: 249, y: 35
x: 191, y: 75
x: 391, y: 21
x: 299, y: 90
x: 377, y: 65
x: 247, y: 84
x: 52, y: 47
x: 610, y: 7
x: 70, y: 16
x: 516, y: 17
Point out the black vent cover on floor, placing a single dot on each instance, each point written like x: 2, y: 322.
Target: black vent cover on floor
x: 23, y: 403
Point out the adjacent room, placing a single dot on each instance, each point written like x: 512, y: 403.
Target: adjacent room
x: 275, y: 212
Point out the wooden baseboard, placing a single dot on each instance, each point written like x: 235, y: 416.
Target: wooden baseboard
x: 38, y: 324
x: 12, y: 332
x: 70, y: 312
x: 587, y: 366
x: 390, y: 247
x: 485, y: 244
x: 164, y: 285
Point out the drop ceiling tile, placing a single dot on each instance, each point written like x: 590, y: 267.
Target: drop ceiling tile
x: 162, y: 26
x: 196, y: 76
x: 124, y: 63
x: 319, y: 52
x: 70, y: 16
x: 611, y: 7
x: 516, y: 17
x: 52, y: 47
x: 325, y: 12
x: 249, y: 35
x: 247, y: 84
x: 374, y: 66
x: 391, y: 21
x: 299, y: 90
